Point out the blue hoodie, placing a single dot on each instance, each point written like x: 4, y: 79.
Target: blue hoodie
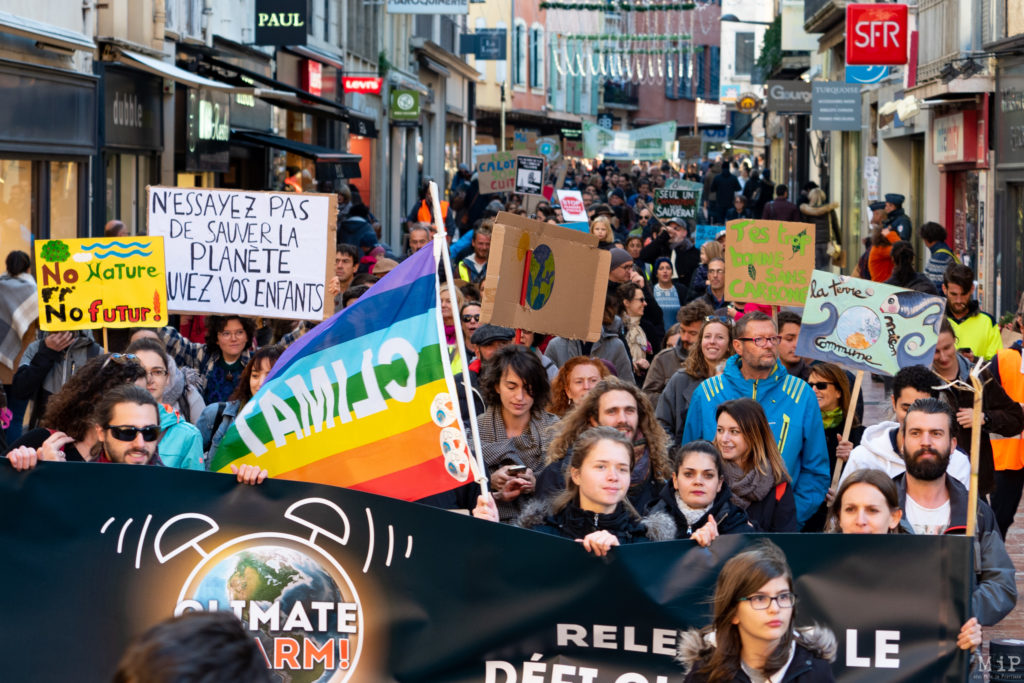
x: 793, y: 415
x: 181, y: 445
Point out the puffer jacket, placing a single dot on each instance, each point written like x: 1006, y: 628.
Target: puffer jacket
x: 181, y: 445
x: 572, y: 522
x: 995, y: 593
x: 810, y: 662
x: 729, y: 518
x: 793, y: 415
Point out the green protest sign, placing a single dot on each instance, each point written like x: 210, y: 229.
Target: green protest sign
x: 867, y: 325
x: 768, y: 262
x: 678, y: 199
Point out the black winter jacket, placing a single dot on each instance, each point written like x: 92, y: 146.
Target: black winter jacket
x: 572, y: 522
x: 815, y: 648
x: 729, y: 518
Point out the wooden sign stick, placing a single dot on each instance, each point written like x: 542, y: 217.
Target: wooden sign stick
x: 972, y: 493
x: 851, y: 411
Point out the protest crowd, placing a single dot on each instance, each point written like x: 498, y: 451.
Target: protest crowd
x: 690, y: 416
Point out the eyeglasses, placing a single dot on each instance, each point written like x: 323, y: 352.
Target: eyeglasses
x: 121, y: 359
x: 233, y: 334
x: 724, y: 319
x: 156, y: 373
x: 127, y: 432
x: 821, y: 386
x: 470, y: 318
x: 762, y: 341
x: 761, y: 601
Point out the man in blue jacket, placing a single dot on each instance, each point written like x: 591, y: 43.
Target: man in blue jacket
x: 788, y: 402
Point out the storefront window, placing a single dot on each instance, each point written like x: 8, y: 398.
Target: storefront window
x: 63, y: 199
x: 965, y: 217
x: 452, y: 152
x: 16, y: 205
x: 126, y: 178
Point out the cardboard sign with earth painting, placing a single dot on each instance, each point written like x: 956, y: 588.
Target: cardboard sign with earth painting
x: 865, y: 325
x: 768, y: 262
x: 564, y: 289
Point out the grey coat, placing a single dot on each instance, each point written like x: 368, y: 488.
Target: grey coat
x: 609, y: 347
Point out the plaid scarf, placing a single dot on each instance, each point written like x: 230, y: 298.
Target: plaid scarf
x: 19, y: 307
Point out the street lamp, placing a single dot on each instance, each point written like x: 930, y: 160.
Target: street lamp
x: 733, y: 18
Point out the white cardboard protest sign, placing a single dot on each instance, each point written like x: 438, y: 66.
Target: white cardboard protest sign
x: 265, y: 254
x: 573, y: 210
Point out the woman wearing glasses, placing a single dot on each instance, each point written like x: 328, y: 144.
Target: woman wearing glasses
x: 754, y: 469
x: 67, y: 427
x: 706, y: 359
x: 832, y: 389
x: 631, y: 310
x: 181, y: 444
x: 752, y: 636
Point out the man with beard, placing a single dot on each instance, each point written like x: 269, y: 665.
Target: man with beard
x: 789, y: 404
x: 934, y: 503
x: 973, y: 328
x: 618, y: 404
x: 667, y: 361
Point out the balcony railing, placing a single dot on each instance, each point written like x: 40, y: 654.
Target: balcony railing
x: 821, y: 15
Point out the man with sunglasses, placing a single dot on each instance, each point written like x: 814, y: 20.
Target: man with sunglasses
x: 128, y: 425
x: 789, y: 404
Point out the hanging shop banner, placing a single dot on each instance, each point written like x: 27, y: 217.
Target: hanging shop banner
x: 650, y: 143
x: 404, y: 108
x: 568, y: 275
x: 280, y: 22
x: 428, y: 6
x: 529, y: 174
x: 867, y: 325
x: 681, y: 200
x: 207, y: 131
x: 496, y: 172
x: 788, y: 97
x: 87, y: 284
x: 345, y: 586
x: 246, y: 253
x: 768, y: 262
x: 835, y: 106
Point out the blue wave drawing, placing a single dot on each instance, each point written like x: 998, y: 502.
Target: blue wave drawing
x: 124, y: 254
x: 110, y: 245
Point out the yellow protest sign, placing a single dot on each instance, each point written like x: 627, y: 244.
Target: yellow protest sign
x: 101, y: 282
x: 768, y: 262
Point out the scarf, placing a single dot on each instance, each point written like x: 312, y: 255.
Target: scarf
x: 528, y: 449
x: 692, y: 515
x: 635, y: 338
x: 832, y: 418
x: 748, y: 487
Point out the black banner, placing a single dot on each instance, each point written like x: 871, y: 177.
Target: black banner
x: 339, y: 585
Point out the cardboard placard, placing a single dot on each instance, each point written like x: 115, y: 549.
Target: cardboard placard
x: 870, y: 326
x: 496, y: 172
x: 705, y: 233
x: 99, y: 282
x: 246, y: 253
x: 572, y: 148
x: 682, y: 200
x: 689, y: 147
x: 529, y: 174
x: 768, y: 262
x: 573, y: 210
x: 567, y: 282
x: 525, y: 140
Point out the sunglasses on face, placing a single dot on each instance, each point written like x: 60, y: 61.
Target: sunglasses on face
x: 821, y: 386
x: 724, y: 319
x: 470, y: 318
x: 128, y: 433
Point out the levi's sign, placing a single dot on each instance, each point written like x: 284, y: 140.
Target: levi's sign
x: 876, y: 34
x: 361, y: 85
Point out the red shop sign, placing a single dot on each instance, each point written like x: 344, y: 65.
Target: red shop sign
x: 361, y: 84
x: 876, y: 34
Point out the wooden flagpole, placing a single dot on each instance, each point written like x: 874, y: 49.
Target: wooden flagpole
x: 851, y: 411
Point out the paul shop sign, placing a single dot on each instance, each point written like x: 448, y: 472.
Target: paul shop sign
x: 958, y: 138
x: 280, y: 22
x: 877, y: 34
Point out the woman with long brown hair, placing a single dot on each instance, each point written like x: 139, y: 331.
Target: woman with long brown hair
x: 706, y: 359
x: 754, y: 469
x: 752, y: 635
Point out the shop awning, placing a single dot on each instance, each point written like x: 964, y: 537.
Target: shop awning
x: 321, y: 155
x: 361, y: 124
x: 168, y: 70
x: 47, y: 35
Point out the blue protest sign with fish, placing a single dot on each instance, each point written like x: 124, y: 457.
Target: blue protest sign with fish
x: 865, y: 325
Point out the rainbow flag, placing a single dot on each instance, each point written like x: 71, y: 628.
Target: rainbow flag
x: 365, y: 400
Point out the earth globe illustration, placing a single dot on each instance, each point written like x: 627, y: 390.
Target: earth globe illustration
x: 542, y: 277
x: 265, y: 574
x: 858, y: 327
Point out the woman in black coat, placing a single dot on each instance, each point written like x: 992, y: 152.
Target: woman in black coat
x: 697, y: 498
x: 754, y: 469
